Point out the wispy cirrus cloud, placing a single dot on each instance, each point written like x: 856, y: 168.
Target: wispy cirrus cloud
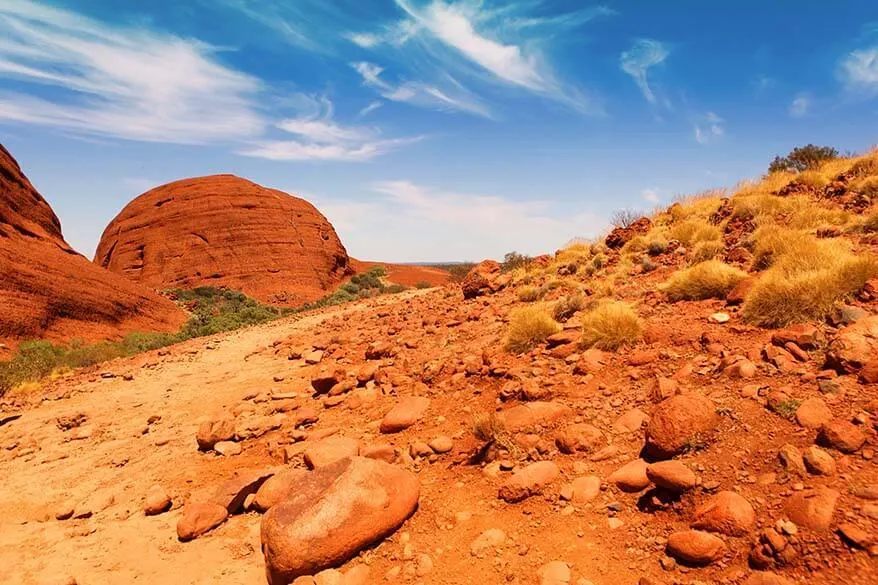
x: 708, y: 128
x: 317, y: 136
x: 452, y: 97
x: 859, y: 70
x: 442, y: 225
x: 129, y: 83
x: 500, y: 46
x: 639, y: 59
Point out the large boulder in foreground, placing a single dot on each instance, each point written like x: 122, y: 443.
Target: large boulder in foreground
x: 48, y: 290
x: 679, y: 423
x: 225, y: 230
x: 484, y: 278
x: 334, y: 513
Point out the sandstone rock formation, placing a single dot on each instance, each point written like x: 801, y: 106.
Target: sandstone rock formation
x: 223, y: 230
x: 48, y: 290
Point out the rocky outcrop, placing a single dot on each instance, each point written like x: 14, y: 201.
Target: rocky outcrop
x: 223, y: 230
x: 47, y: 290
x: 485, y: 278
x: 621, y: 235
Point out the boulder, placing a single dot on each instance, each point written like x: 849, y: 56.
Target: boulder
x: 678, y: 423
x: 726, y: 513
x: 336, y: 512
x: 407, y: 412
x: 812, y: 509
x: 277, y: 487
x: 528, y: 481
x: 813, y: 413
x: 479, y: 281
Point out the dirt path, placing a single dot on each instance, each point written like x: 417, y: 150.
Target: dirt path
x: 122, y: 455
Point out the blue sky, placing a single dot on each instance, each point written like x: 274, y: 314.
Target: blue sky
x: 428, y: 130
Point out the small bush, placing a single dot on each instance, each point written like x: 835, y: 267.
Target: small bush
x: 870, y: 223
x: 657, y: 247
x: 513, y: 260
x: 568, y: 306
x: 647, y: 265
x: 611, y: 325
x: 529, y: 326
x: 707, y: 251
x: 423, y: 284
x: 709, y: 279
x: 458, y: 271
x: 803, y: 158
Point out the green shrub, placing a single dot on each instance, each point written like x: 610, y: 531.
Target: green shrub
x: 803, y: 158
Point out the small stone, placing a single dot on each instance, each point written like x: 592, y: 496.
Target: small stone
x: 855, y: 536
x: 582, y: 489
x: 695, y: 547
x: 199, y: 518
x: 491, y: 538
x: 528, y: 481
x: 812, y: 509
x: 555, y: 573
x: 726, y: 513
x: 329, y: 450
x: 212, y: 432
x: 671, y: 475
x: 719, y: 318
x: 227, y: 448
x: 791, y: 458
x: 631, y: 477
x: 442, y: 444
x: 157, y: 501
x: 813, y: 413
x: 818, y: 461
x: 842, y: 435
x: 406, y: 413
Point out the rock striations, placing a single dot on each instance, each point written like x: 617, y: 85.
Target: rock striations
x: 222, y: 230
x: 47, y: 290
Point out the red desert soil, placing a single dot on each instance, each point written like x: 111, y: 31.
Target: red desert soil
x: 407, y: 275
x: 223, y: 230
x: 47, y: 290
x: 403, y: 378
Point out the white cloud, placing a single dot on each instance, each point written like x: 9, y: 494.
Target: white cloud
x: 709, y: 127
x: 319, y: 137
x: 650, y: 195
x: 636, y: 62
x: 370, y: 108
x: 440, y: 225
x: 859, y: 69
x: 128, y: 83
x: 452, y: 97
x: 800, y: 106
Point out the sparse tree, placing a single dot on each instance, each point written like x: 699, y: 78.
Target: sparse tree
x: 803, y: 158
x: 513, y: 260
x: 623, y: 218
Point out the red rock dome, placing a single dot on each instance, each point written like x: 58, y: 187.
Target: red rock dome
x: 47, y: 290
x: 223, y: 230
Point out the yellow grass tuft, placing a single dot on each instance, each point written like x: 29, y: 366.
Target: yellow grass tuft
x: 705, y: 251
x: 782, y: 296
x: 529, y: 294
x: 611, y: 325
x: 705, y: 280
x: 693, y: 231
x: 529, y: 326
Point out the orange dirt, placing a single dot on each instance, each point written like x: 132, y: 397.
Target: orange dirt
x: 47, y: 290
x: 407, y: 275
x: 226, y: 231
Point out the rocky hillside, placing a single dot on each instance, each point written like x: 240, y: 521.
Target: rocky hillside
x: 226, y: 231
x: 47, y: 290
x: 688, y: 400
